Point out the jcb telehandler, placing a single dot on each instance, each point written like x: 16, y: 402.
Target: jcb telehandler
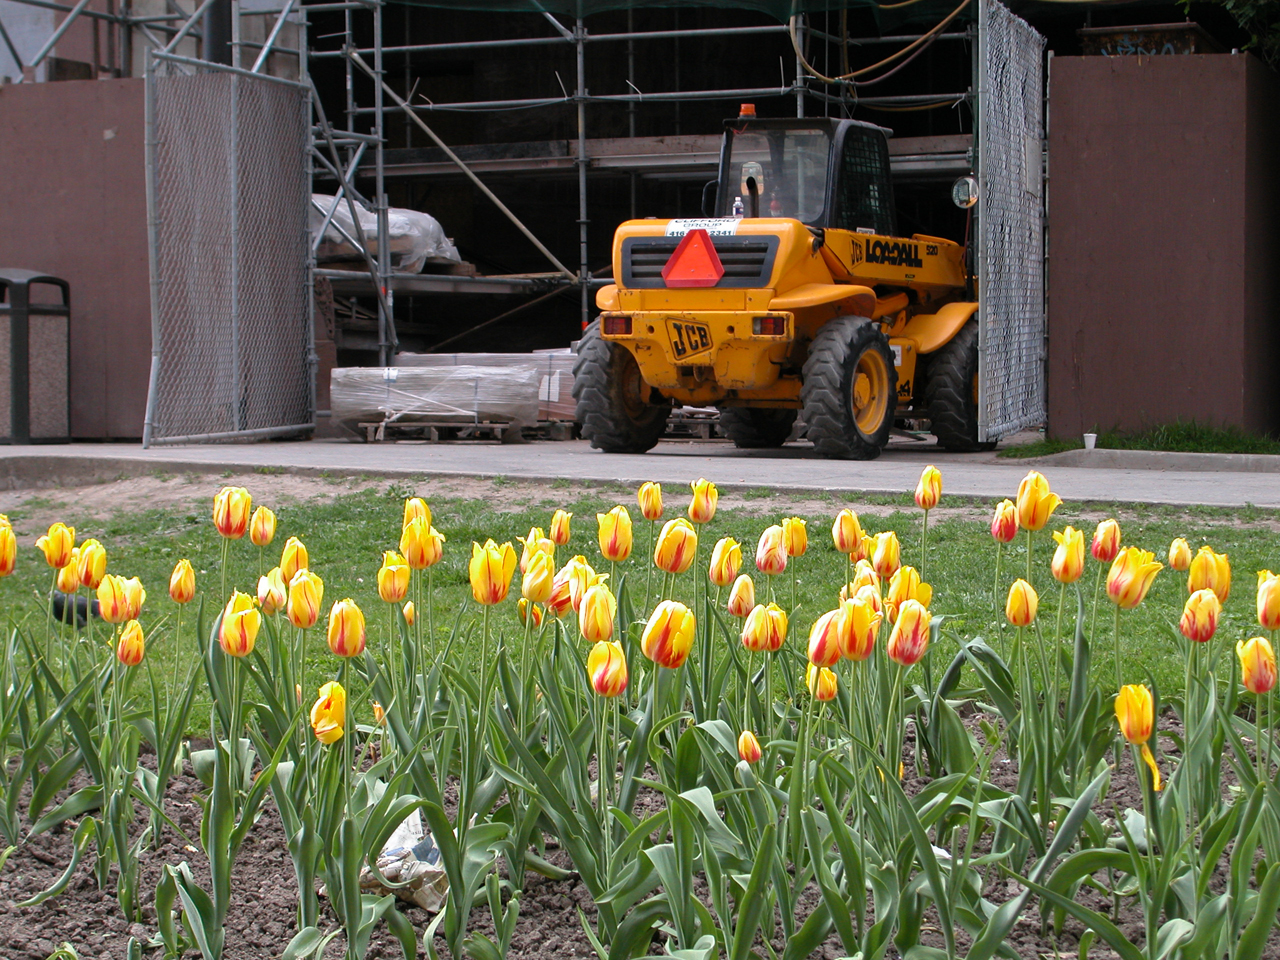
x: 795, y: 296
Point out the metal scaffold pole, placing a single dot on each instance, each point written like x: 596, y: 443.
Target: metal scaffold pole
x: 584, y: 271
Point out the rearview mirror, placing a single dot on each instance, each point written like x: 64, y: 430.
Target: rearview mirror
x: 964, y: 192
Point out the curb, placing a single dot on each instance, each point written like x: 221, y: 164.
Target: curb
x: 1164, y: 460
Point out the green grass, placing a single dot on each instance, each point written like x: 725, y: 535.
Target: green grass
x: 1176, y: 437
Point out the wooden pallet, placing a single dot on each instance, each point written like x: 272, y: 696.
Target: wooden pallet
x: 381, y: 431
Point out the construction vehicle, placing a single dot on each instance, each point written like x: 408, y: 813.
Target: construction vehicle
x: 794, y: 296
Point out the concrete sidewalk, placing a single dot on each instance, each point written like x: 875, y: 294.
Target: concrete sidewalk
x: 794, y: 467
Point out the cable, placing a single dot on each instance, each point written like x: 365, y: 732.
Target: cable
x: 926, y: 106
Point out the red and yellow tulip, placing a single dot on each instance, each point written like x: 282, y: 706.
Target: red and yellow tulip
x: 1130, y: 577
x: 909, y: 639
x: 765, y: 629
x: 1257, y: 664
x: 57, y: 544
x: 607, y: 669
x: 615, y: 534
x: 1135, y: 714
x: 703, y: 505
x: 771, y: 551
x: 929, y: 488
x: 306, y: 593
x: 668, y: 634
x: 490, y: 571
x: 742, y: 598
x: 1068, y: 560
x: 726, y: 560
x: 131, y: 647
x: 393, y: 577
x: 846, y: 532
x: 596, y: 613
x: 329, y: 713
x: 676, y: 546
x: 1035, y: 502
x: 262, y: 527
x: 346, y: 634
x: 240, y: 623
x: 1200, y: 616
x: 231, y: 511
x: 1106, y: 541
x: 795, y: 536
x: 649, y: 497
x: 1210, y: 570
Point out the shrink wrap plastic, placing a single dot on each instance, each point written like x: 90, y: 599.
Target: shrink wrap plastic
x: 443, y: 395
x: 414, y: 237
x: 553, y: 367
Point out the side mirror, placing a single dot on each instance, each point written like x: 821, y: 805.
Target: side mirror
x: 709, y: 197
x: 964, y: 192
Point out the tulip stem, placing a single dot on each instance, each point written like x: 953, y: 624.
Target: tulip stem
x: 1117, y: 646
x: 222, y: 569
x: 995, y: 587
x: 1097, y: 592
x: 924, y: 543
x: 1057, y: 654
x: 1029, y: 532
x: 177, y: 649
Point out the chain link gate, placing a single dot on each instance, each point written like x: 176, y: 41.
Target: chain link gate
x: 228, y: 185
x: 1010, y: 234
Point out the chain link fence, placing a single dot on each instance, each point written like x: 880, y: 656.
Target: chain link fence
x: 1011, y: 315
x: 228, y: 187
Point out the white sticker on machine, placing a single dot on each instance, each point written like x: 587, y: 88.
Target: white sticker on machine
x: 897, y: 353
x: 716, y: 226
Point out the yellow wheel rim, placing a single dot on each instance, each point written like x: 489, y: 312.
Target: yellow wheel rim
x: 869, y: 394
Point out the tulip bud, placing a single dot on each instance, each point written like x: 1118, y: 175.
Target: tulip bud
x: 239, y: 628
x: 1257, y: 664
x: 262, y: 527
x: 523, y: 608
x: 57, y: 544
x: 909, y: 639
x: 8, y: 550
x: 293, y: 557
x: 905, y: 584
x: 490, y: 571
x: 607, y: 669
x: 1035, y: 502
x: 742, y: 597
x: 827, y: 637
x: 650, y: 499
x: 749, y: 747
x: 929, y: 489
x: 668, y: 635
x: 113, y: 605
x: 1200, y: 616
x: 1021, y: 604
x: 231, y: 507
x: 415, y: 507
x: 771, y: 551
x: 1268, y: 600
x: 676, y: 546
x: 888, y: 554
x: 1211, y: 571
x: 346, y: 629
x: 1004, y: 522
x: 560, y: 527
x: 863, y: 621
x: 1180, y: 555
x: 596, y: 613
x: 329, y: 713
x: 821, y: 682
x: 536, y: 542
x: 765, y: 629
x: 1130, y: 577
x: 130, y: 648
x: 68, y: 579
x: 306, y: 592
x: 91, y: 564
x: 410, y: 613
x: 1135, y: 713
x: 614, y: 532
x: 846, y: 532
x: 539, y: 577
x: 393, y: 577
x: 1068, y: 560
x: 379, y: 715
x: 134, y: 597
x: 272, y: 593
x: 703, y: 506
x: 795, y: 536
x: 726, y: 559
x: 1106, y: 541
x: 182, y: 582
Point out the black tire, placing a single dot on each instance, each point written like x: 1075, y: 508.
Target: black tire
x: 613, y: 399
x: 951, y: 392
x: 850, y: 389
x: 755, y: 428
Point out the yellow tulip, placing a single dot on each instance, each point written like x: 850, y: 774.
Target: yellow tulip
x: 596, y: 614
x: 1021, y: 604
x: 1004, y: 522
x: 1200, y: 616
x: 131, y: 648
x: 749, y: 747
x: 113, y: 605
x: 929, y: 489
x: 490, y: 571
x: 57, y: 544
x: 329, y: 713
x: 306, y: 593
x: 765, y: 629
x: 393, y: 577
x: 888, y: 554
x: 421, y: 545
x: 415, y: 507
x: 703, y: 506
x: 771, y: 551
x: 240, y: 623
x: 293, y: 557
x: 346, y: 629
x: 615, y: 534
x: 580, y: 578
x: 1257, y: 664
x: 536, y: 542
x: 796, y: 536
x: 134, y: 597
x: 1180, y: 555
x: 560, y: 527
x: 182, y: 582
x: 1135, y: 713
x: 523, y: 608
x: 1268, y: 600
x: 1035, y: 502
x: 539, y: 578
x: 1106, y: 541
x: 8, y: 550
x: 909, y: 639
x: 1130, y: 577
x: 864, y: 575
x: 231, y: 508
x: 410, y: 613
x: 668, y: 634
x: 68, y: 579
x: 676, y: 546
x: 742, y: 597
x: 379, y: 714
x: 846, y: 532
x: 905, y: 584
x: 607, y: 669
x: 821, y: 682
x: 649, y: 497
x: 866, y: 549
x: 828, y: 637
x: 262, y: 527
x: 863, y: 626
x: 1068, y: 560
x: 1211, y: 571
x: 726, y: 559
x: 272, y: 594
x: 561, y: 600
x: 91, y: 563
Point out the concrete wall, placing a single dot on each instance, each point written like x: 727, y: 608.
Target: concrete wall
x: 1162, y: 242
x: 73, y: 204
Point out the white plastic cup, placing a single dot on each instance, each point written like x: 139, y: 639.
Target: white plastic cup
x: 1090, y: 441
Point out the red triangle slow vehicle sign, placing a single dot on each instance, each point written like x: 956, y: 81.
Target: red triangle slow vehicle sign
x: 695, y: 262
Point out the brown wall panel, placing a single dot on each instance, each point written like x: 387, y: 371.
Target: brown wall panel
x: 73, y: 204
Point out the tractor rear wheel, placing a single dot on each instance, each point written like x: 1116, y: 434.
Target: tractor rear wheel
x: 951, y: 392
x: 850, y: 389
x: 613, y: 399
x: 754, y: 428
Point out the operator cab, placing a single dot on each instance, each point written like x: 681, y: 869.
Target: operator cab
x: 822, y: 172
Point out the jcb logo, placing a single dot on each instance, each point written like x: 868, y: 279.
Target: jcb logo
x: 857, y: 252
x: 688, y: 338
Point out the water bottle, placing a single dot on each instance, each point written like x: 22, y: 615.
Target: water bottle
x: 737, y: 208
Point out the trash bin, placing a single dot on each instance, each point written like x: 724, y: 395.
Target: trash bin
x: 35, y: 365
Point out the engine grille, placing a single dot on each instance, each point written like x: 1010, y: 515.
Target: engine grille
x: 747, y: 261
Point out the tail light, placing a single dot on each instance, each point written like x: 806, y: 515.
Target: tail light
x: 616, y: 325
x: 769, y: 326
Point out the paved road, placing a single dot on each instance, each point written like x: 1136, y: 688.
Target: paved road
x: 793, y: 467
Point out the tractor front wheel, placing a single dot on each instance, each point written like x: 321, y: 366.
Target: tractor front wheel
x: 951, y: 392
x: 755, y: 428
x: 613, y: 399
x: 850, y: 389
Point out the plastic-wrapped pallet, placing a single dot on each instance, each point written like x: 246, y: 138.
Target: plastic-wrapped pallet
x: 414, y: 237
x: 458, y: 395
x: 553, y: 367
